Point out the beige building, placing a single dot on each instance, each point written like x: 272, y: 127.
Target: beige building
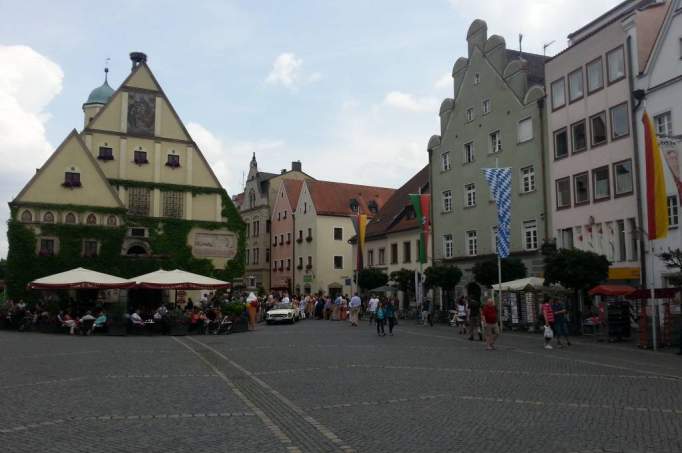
x: 255, y: 205
x: 324, y: 224
x: 130, y: 193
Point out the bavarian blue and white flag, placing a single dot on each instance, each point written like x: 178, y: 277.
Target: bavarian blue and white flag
x: 499, y: 180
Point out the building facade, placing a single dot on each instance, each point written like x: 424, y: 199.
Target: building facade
x: 496, y: 118
x: 392, y: 236
x: 323, y: 228
x: 128, y: 194
x: 654, y: 35
x: 594, y: 189
x: 283, y: 224
x: 260, y: 193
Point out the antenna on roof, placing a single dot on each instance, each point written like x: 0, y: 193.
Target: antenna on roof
x: 545, y: 46
x: 106, y: 68
x: 520, y: 46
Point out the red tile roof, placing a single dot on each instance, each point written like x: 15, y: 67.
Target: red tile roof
x: 392, y: 217
x: 293, y: 189
x: 335, y: 198
x: 238, y: 199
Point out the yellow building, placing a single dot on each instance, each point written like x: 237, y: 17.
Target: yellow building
x: 130, y: 193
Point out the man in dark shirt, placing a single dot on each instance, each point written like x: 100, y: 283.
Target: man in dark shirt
x: 474, y: 319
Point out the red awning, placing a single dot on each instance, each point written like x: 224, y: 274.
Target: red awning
x: 611, y: 290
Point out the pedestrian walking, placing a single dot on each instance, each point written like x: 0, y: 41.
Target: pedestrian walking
x: 355, y: 303
x: 461, y: 315
x: 372, y: 308
x: 252, y: 308
x: 560, y: 322
x: 491, y: 329
x: 381, y: 319
x: 547, y: 313
x: 426, y: 313
x: 390, y: 316
x: 475, y: 319
x: 548, y: 333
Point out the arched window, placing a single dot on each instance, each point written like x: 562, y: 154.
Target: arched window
x: 111, y: 220
x: 26, y: 216
x: 136, y: 250
x: 48, y: 217
x: 91, y: 219
x: 252, y: 198
x: 70, y: 218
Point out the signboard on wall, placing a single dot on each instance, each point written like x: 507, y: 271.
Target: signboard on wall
x: 214, y: 244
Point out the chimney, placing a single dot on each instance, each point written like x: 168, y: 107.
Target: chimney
x: 296, y: 166
x: 137, y: 58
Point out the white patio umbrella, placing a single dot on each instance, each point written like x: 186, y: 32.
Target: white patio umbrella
x: 177, y: 279
x: 80, y: 278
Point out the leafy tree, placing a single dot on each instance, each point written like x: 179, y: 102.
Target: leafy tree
x: 485, y: 272
x: 444, y: 277
x: 404, y: 278
x: 370, y: 278
x: 576, y: 269
x: 673, y: 260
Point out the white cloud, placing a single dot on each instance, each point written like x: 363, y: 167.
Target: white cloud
x: 410, y: 102
x: 445, y: 81
x: 540, y: 21
x: 28, y: 83
x: 229, y: 158
x: 287, y: 70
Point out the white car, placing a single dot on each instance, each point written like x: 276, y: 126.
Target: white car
x: 282, y: 313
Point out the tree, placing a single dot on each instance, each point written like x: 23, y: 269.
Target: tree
x: 404, y: 278
x: 576, y: 269
x: 485, y: 272
x: 673, y: 260
x: 371, y: 278
x: 444, y: 277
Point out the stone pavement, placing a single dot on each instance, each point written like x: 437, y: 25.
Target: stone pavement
x: 321, y: 386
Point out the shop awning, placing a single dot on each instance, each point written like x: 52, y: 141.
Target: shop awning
x: 80, y: 278
x: 525, y: 283
x: 611, y: 290
x: 177, y: 279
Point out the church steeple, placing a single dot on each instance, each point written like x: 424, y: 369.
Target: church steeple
x: 253, y: 167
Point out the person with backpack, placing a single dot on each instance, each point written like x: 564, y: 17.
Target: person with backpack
x: 390, y: 316
x: 381, y: 319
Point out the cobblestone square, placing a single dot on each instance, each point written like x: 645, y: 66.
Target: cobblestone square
x: 321, y: 386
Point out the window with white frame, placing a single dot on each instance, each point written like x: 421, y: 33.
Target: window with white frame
x: 468, y: 152
x: 563, y: 192
x: 595, y: 75
x: 575, y: 85
x: 495, y: 142
x: 664, y: 124
x: 445, y: 161
x: 525, y: 130
x: 615, y: 65
x: 530, y: 235
x: 620, y: 121
x: 558, y: 89
x: 485, y: 106
x: 370, y: 257
x: 622, y: 177
x: 477, y: 78
x: 673, y: 208
x: 470, y: 195
x: 448, y: 251
x: 527, y: 179
x: 472, y: 243
x: 447, y: 201
x: 470, y: 114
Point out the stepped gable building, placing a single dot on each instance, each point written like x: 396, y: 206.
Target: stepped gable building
x: 593, y: 188
x: 496, y: 117
x: 324, y: 226
x: 257, y: 200
x: 128, y: 194
x: 283, y: 224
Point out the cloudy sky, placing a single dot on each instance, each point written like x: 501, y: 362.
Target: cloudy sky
x: 351, y: 88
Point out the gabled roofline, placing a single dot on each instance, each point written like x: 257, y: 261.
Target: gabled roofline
x: 98, y: 169
x: 661, y: 35
x: 173, y: 111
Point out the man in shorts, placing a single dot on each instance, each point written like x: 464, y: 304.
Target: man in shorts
x: 491, y: 329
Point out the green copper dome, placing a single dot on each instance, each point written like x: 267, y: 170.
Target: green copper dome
x: 100, y: 95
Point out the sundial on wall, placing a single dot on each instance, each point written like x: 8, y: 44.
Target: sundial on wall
x: 141, y: 112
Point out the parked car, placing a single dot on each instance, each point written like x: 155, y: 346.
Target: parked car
x: 282, y: 313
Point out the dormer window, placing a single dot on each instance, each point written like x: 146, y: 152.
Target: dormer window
x: 140, y: 157
x: 72, y: 179
x: 105, y: 153
x: 354, y: 206
x: 373, y: 207
x: 173, y: 161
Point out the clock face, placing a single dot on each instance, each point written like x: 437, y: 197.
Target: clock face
x: 141, y: 113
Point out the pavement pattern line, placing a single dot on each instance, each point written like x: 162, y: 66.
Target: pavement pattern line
x: 320, y: 439
x: 265, y: 419
x: 117, y: 417
x: 552, y: 356
x: 487, y: 399
x: 465, y: 370
x: 110, y: 376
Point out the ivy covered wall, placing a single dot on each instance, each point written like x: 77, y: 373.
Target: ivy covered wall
x: 167, y: 239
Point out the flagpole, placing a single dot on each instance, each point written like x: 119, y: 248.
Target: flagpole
x: 654, y: 308
x: 499, y: 265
